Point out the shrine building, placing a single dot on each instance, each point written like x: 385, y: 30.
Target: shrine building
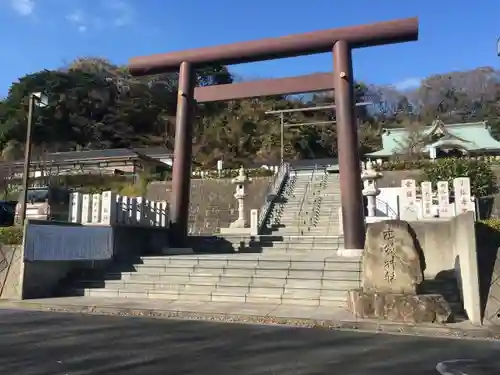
x: 441, y: 140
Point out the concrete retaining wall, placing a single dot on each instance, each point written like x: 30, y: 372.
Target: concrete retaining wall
x: 11, y: 271
x: 449, y: 247
x: 22, y: 277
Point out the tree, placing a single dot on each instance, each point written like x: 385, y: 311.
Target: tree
x: 410, y: 147
x: 95, y: 104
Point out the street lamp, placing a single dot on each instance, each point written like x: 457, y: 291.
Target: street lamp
x: 39, y: 100
x: 498, y: 47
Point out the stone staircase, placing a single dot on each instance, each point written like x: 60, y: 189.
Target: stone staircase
x: 300, y: 271
x: 296, y: 263
x: 295, y: 271
x: 308, y: 206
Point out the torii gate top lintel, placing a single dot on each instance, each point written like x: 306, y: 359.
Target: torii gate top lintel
x: 398, y: 31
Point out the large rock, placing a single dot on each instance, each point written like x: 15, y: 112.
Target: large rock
x: 407, y: 308
x: 391, y: 262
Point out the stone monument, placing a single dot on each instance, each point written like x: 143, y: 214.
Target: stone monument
x: 463, y: 196
x: 445, y: 208
x: 408, y: 203
x: 391, y: 275
x: 426, y: 189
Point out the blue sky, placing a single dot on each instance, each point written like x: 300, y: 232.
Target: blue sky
x: 44, y: 34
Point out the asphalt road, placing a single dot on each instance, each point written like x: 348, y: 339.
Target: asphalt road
x: 34, y: 343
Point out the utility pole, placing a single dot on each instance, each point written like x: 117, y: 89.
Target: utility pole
x: 35, y: 99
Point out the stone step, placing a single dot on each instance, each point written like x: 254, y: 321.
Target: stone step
x: 236, y: 270
x: 289, y: 239
x: 303, y: 252
x: 296, y: 220
x: 292, y: 277
x: 262, y: 295
x: 330, y: 271
x: 301, y: 288
x: 244, y: 260
x: 299, y: 246
x: 258, y: 247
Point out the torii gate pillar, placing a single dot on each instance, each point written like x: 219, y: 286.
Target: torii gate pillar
x: 183, y: 153
x: 348, y: 148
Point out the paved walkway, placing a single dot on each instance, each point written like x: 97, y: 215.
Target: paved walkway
x: 328, y: 317
x: 36, y: 343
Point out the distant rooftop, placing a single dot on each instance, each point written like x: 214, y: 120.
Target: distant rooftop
x: 105, y: 154
x: 471, y: 137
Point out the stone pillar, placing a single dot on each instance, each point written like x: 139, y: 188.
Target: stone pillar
x: 254, y: 222
x: 348, y: 145
x: 408, y: 209
x: 426, y: 189
x: 443, y: 194
x: 75, y: 208
x: 463, y: 196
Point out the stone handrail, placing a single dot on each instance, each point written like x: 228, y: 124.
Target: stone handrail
x: 274, y: 189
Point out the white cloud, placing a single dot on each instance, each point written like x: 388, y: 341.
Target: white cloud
x: 78, y: 18
x: 121, y: 13
x: 407, y: 84
x: 113, y: 13
x: 23, y: 7
x: 75, y: 17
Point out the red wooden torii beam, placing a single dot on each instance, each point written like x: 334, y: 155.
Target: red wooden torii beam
x: 340, y: 41
x: 265, y: 87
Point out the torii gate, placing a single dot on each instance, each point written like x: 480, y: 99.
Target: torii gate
x: 340, y: 41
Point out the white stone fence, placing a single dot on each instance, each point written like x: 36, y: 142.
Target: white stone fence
x: 109, y: 208
x: 407, y: 205
x: 404, y: 204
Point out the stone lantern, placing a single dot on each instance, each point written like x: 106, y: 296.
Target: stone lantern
x: 370, y: 190
x: 241, y: 181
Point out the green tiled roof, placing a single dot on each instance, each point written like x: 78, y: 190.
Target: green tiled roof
x: 472, y: 136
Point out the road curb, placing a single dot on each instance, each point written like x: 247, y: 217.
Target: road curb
x: 424, y: 330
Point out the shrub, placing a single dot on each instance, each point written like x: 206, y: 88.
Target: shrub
x: 483, y: 180
x: 492, y: 223
x: 132, y: 190
x: 397, y: 164
x: 11, y: 235
x: 402, y: 165
x: 488, y: 236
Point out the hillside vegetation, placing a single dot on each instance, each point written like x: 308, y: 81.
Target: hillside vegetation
x: 95, y: 104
